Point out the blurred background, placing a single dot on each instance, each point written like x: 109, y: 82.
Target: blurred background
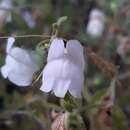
x: 103, y: 26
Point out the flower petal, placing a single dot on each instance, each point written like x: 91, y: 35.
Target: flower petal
x: 48, y: 84
x: 56, y: 49
x: 10, y: 63
x: 61, y: 87
x: 6, y: 4
x: 19, y: 79
x: 5, y: 70
x: 76, y: 87
x: 20, y: 55
x: 21, y: 74
x: 24, y: 57
x: 77, y: 83
x: 95, y: 28
x: 96, y: 13
x: 10, y: 43
x: 75, y: 52
x: 53, y: 69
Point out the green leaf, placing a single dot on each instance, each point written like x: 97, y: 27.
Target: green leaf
x: 96, y: 98
x: 69, y: 103
x: 75, y: 122
x: 119, y: 119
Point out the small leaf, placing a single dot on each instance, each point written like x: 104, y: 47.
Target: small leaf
x: 61, y: 20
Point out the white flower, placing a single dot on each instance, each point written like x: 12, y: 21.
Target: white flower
x: 95, y: 25
x: 65, y: 68
x: 20, y: 64
x: 5, y: 14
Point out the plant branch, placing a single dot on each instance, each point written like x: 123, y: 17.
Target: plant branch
x: 26, y: 36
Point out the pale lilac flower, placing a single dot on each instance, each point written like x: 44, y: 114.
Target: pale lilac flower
x: 65, y: 68
x: 27, y: 16
x: 20, y: 64
x: 96, y: 23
